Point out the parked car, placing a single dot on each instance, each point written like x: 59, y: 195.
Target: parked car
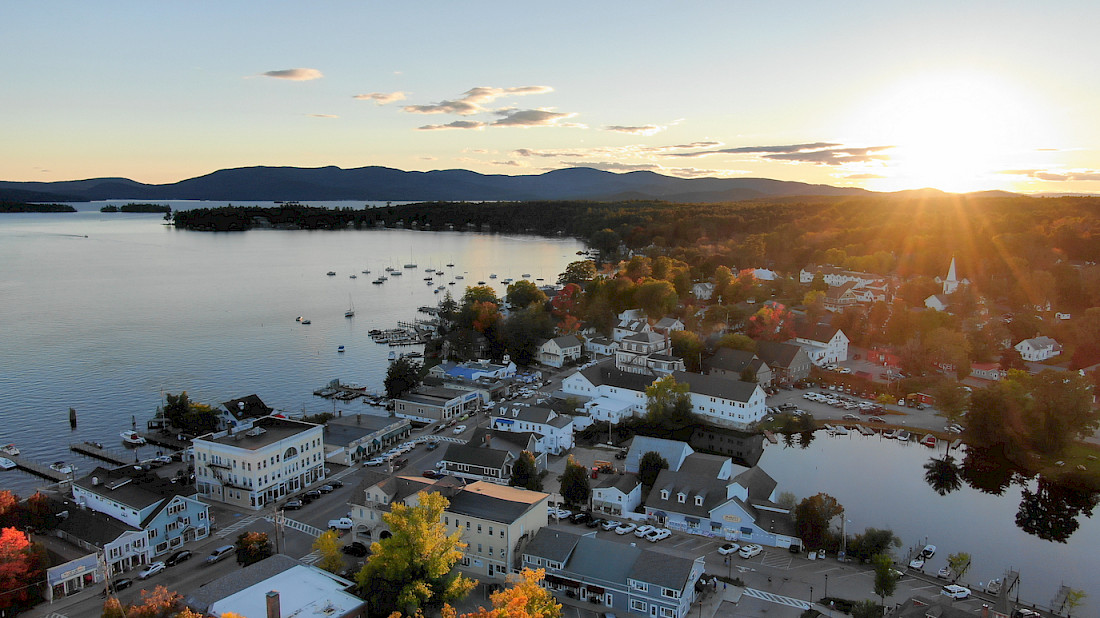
x: 121, y: 584
x: 609, y: 524
x: 376, y: 461
x: 151, y: 570
x: 430, y: 474
x: 729, y: 548
x: 750, y: 550
x: 400, y: 463
x: 593, y: 522
x: 433, y: 445
x: 643, y: 530
x: 220, y: 554
x: 178, y: 557
x: 563, y: 513
x: 626, y: 528
x: 955, y: 591
x: 355, y: 548
x: 876, y: 419
x: 326, y: 489
x: 335, y: 483
x: 293, y: 505
x: 312, y: 494
x: 343, y: 523
x: 945, y: 573
x: 658, y: 534
x: 580, y: 518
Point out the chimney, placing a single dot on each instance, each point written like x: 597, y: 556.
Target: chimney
x: 273, y: 610
x: 488, y: 441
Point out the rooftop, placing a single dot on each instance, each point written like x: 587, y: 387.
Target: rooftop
x: 264, y: 432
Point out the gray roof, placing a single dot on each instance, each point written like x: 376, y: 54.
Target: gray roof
x: 601, y: 374
x: 673, y: 451
x: 594, y: 558
x: 716, y: 386
x: 137, y: 489
x: 730, y: 360
x: 239, y: 579
x: 777, y: 354
x: 587, y: 557
x: 663, y: 569
x: 487, y: 507
x: 250, y: 406
x: 623, y: 482
x: 698, y: 476
x: 91, y: 526
x: 646, y: 337
x: 476, y: 456
x: 759, y: 483
x: 530, y: 414
x: 274, y: 429
x: 821, y: 332
x: 552, y: 544
x: 567, y: 341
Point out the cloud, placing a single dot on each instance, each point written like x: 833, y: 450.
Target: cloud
x: 322, y: 115
x: 530, y: 152
x: 1057, y: 176
x: 647, y: 130
x: 381, y: 98
x: 863, y: 176
x: 510, y: 163
x: 534, y: 118
x: 791, y: 148
x: 298, y: 75
x: 833, y: 156
x: 474, y: 100
x: 634, y: 150
x: 458, y: 124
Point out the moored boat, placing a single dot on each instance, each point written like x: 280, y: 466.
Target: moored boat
x: 6, y: 463
x: 903, y: 435
x: 928, y: 440
x: 340, y: 349
x: 62, y: 467
x: 9, y: 450
x: 331, y: 273
x: 132, y: 437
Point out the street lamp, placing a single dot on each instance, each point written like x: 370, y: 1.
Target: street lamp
x: 826, y: 584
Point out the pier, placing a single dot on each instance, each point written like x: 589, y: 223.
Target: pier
x: 41, y: 470
x: 169, y: 441
x: 97, y: 450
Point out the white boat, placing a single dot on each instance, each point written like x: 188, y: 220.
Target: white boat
x: 62, y: 467
x: 305, y: 321
x: 6, y: 463
x: 493, y: 276
x: 350, y: 313
x: 10, y: 450
x: 132, y: 437
x: 340, y: 349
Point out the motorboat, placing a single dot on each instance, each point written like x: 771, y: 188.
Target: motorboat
x: 929, y: 440
x: 994, y: 586
x: 493, y: 276
x: 331, y: 273
x: 132, y: 437
x: 353, y: 276
x: 340, y: 349
x: 306, y: 321
x: 9, y: 450
x: 6, y: 463
x: 350, y: 313
x: 62, y: 467
x: 928, y: 551
x: 890, y: 433
x: 903, y: 436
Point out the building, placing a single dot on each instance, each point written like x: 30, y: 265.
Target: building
x: 493, y: 519
x: 260, y: 462
x: 703, y: 291
x: 428, y: 404
x: 278, y: 586
x: 734, y: 364
x: 479, y: 462
x: 123, y: 547
x: 616, y: 494
x: 600, y: 346
x: 474, y: 371
x: 668, y: 325
x: 673, y: 451
x: 788, y: 363
x: 554, y: 431
x: 823, y: 344
x: 559, y: 351
x: 624, y: 578
x: 723, y: 401
x: 987, y: 371
x: 168, y: 513
x: 348, y: 441
x: 647, y: 352
x: 1038, y: 348
x: 612, y: 395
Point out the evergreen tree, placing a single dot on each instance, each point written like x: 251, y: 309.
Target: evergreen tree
x: 574, y: 483
x: 525, y: 473
x: 650, y: 466
x: 402, y: 376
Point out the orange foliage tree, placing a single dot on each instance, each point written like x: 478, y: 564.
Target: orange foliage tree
x: 525, y: 598
x: 20, y: 569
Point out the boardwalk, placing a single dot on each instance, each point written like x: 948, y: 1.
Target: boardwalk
x: 38, y: 469
x: 98, y: 451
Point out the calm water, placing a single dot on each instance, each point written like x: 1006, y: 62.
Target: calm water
x: 107, y: 312
x: 880, y: 483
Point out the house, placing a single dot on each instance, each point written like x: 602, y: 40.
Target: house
x: 673, y: 451
x: 722, y: 401
x: 648, y: 353
x: 554, y: 431
x: 1038, y: 348
x: 477, y: 462
x: 842, y: 297
x: 243, y: 408
x: 863, y: 288
x: 355, y: 438
x: 937, y: 302
x: 601, y: 346
x: 764, y: 274
x: 169, y: 514
x: 260, y: 462
x: 623, y: 578
x: 278, y: 586
x: 427, y: 404
x: 616, y: 494
x: 937, y: 607
x: 611, y: 394
x: 494, y: 520
x: 788, y: 363
x: 626, y: 328
x: 823, y: 344
x: 559, y: 351
x: 709, y: 495
x: 81, y: 538
x: 515, y: 442
x: 473, y: 371
x: 987, y: 371
x: 667, y: 325
x: 703, y: 291
x: 735, y: 364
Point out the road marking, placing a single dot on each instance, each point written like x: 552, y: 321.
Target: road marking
x: 299, y: 526
x: 777, y: 598
x: 778, y: 561
x: 56, y: 615
x: 312, y: 557
x: 237, y: 525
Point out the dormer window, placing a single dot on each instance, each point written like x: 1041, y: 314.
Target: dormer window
x: 698, y: 500
x: 664, y: 494
x: 681, y: 497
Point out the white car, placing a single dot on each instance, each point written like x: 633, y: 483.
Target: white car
x: 151, y: 570
x: 458, y: 430
x: 644, y: 530
x: 626, y: 528
x: 609, y: 524
x: 955, y: 591
x: 377, y: 461
x: 658, y: 534
x: 729, y: 548
x: 944, y: 573
x: 343, y: 523
x: 750, y: 551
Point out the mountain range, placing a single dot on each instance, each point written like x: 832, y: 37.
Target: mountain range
x: 387, y: 184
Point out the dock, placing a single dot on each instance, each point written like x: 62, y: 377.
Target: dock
x: 97, y: 451
x: 865, y: 430
x: 168, y: 441
x: 770, y: 436
x: 38, y: 469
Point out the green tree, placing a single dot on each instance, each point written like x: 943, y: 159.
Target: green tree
x: 818, y: 284
x: 959, y: 563
x: 523, y: 331
x: 812, y: 517
x: 1074, y: 598
x: 951, y: 399
x: 872, y: 542
x: 525, y: 474
x: 574, y: 483
x: 656, y: 298
x: 737, y: 341
x: 650, y: 466
x: 1011, y: 359
x: 866, y: 609
x: 579, y: 272
x: 886, y: 579
x: 188, y: 416
x: 523, y: 293
x: 402, y: 376
x: 252, y: 547
x: 605, y: 241
x: 414, y: 567
x: 689, y: 347
x: 327, y: 547
x: 668, y: 403
x: 479, y: 294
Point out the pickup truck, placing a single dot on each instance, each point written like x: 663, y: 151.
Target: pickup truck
x: 344, y: 523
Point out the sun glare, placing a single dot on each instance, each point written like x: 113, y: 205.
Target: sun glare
x: 951, y: 132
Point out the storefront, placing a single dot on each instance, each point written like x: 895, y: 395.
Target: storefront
x: 73, y: 576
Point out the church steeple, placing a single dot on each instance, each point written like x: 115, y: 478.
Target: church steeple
x: 951, y: 283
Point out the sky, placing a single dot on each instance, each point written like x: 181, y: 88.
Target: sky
x: 959, y: 96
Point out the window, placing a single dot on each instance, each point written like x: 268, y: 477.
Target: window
x: 639, y: 605
x: 664, y: 494
x: 681, y: 497
x: 667, y: 612
x: 670, y: 593
x: 637, y: 585
x: 698, y: 500
x: 479, y: 528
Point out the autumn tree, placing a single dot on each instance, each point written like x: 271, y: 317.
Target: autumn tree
x: 158, y: 603
x: 524, y: 598
x: 9, y: 509
x: 567, y: 302
x: 21, y: 566
x: 578, y: 273
x: 689, y: 347
x: 327, y: 547
x: 812, y: 517
x: 523, y: 293
x: 525, y: 473
x: 656, y: 298
x: 737, y: 341
x: 402, y: 376
x: 189, y: 416
x: 771, y: 323
x: 252, y: 547
x: 414, y: 567
x: 668, y: 402
x: 574, y: 483
x: 951, y: 399
x: 959, y: 563
x: 650, y: 466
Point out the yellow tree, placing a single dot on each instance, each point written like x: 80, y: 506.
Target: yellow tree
x: 159, y: 603
x: 413, y: 568
x: 525, y: 598
x: 328, y: 547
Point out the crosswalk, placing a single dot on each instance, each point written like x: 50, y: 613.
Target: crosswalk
x: 776, y: 598
x: 299, y: 526
x: 312, y: 557
x: 237, y: 525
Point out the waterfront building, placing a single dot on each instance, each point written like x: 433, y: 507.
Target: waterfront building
x: 428, y: 404
x: 348, y: 441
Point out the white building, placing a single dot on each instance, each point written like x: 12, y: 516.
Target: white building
x: 1038, y: 348
x: 427, y: 404
x: 824, y: 344
x: 473, y: 371
x: 259, y: 463
x: 648, y: 353
x: 616, y: 494
x: 558, y: 351
x: 554, y: 432
x: 722, y: 400
x: 600, y: 346
x: 703, y: 291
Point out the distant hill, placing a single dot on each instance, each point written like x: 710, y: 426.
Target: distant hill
x: 388, y: 184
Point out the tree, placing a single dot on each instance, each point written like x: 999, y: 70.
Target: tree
x: 959, y: 563
x: 188, y: 416
x: 866, y: 609
x: 20, y: 565
x: 689, y: 347
x: 525, y: 598
x: 951, y: 399
x: 578, y: 273
x: 402, y: 376
x: 812, y: 517
x: 605, y: 241
x: 650, y: 466
x: 574, y: 483
x: 737, y: 341
x: 942, y: 475
x: 327, y: 547
x: 252, y: 547
x: 414, y: 567
x: 886, y: 580
x: 668, y: 403
x: 656, y: 298
x: 1011, y: 359
x: 863, y: 547
x: 525, y: 474
x: 9, y: 509
x: 479, y: 294
x: 1074, y: 598
x: 818, y: 284
x: 112, y: 608
x: 522, y: 333
x: 158, y: 603
x: 814, y: 301
x: 38, y: 513
x: 772, y: 323
x: 523, y: 293
x: 567, y: 302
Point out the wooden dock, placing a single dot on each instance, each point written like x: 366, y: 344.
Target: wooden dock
x: 168, y: 441
x: 770, y: 436
x: 98, y: 451
x: 38, y: 469
x: 865, y: 430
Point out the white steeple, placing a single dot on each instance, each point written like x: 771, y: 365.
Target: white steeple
x: 951, y: 283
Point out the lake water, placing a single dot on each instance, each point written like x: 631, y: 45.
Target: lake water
x: 106, y: 313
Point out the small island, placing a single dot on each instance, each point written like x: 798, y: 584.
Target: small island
x: 25, y: 207
x: 132, y: 207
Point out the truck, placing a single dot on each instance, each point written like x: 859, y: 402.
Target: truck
x: 344, y: 523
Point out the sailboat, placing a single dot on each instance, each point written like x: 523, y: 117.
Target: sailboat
x: 350, y: 313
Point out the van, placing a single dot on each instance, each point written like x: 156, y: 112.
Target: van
x: 220, y: 554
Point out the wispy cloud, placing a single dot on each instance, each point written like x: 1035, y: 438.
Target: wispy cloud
x: 790, y: 148
x: 1057, y: 175
x: 322, y: 115
x: 298, y: 75
x: 820, y: 153
x: 535, y: 118
x: 634, y: 150
x: 647, y: 130
x: 510, y: 163
x: 474, y: 100
x: 381, y: 98
x: 458, y: 124
x: 863, y: 176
